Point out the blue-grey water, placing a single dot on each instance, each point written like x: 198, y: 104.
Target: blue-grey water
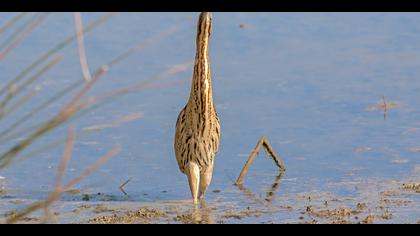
x: 305, y: 80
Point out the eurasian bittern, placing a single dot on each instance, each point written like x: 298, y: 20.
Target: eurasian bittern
x: 197, y: 132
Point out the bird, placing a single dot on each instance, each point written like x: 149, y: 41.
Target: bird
x: 197, y: 132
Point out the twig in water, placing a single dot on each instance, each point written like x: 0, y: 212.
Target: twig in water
x: 124, y: 184
x: 262, y: 142
x: 385, y: 106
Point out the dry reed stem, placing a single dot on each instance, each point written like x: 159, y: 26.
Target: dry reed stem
x: 56, y: 143
x: 113, y: 152
x: 68, y: 150
x: 67, y: 112
x: 81, y: 45
x: 33, y: 112
x: 12, y: 21
x: 107, y: 97
x: 143, y: 45
x: 56, y: 193
x: 58, y: 187
x: 142, y: 85
x: 262, y: 142
x: 116, y: 60
x: 85, y: 131
x: 20, y: 102
x: 18, y: 31
x: 7, y: 157
x: 22, y: 35
x: 14, y: 92
x: 55, y: 49
x: 88, y: 86
x: 115, y: 123
x: 102, y: 99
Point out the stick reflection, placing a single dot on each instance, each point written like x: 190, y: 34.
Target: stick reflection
x: 270, y: 194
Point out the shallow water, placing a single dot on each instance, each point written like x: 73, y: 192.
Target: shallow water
x: 305, y: 80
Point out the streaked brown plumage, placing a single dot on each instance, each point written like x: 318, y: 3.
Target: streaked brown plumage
x: 197, y: 132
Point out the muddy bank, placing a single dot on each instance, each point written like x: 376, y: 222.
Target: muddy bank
x: 370, y: 202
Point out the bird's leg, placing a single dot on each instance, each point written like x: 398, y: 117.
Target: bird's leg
x: 205, y: 179
x: 193, y: 173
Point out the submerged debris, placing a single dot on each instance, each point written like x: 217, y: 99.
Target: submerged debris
x: 361, y: 150
x: 384, y: 105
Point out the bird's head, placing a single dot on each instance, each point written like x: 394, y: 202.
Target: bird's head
x: 204, y: 25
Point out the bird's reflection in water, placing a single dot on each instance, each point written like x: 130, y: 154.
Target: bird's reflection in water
x: 269, y: 194
x: 198, y: 214
x: 202, y: 214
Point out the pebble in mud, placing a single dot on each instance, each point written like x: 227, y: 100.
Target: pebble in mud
x: 361, y: 206
x: 86, y: 197
x: 368, y: 220
x: 412, y: 186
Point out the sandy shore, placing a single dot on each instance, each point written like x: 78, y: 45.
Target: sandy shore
x: 375, y: 202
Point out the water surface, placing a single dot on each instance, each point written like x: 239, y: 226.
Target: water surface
x: 305, y: 80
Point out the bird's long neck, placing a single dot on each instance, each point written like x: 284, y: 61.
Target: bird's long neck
x: 201, y: 97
